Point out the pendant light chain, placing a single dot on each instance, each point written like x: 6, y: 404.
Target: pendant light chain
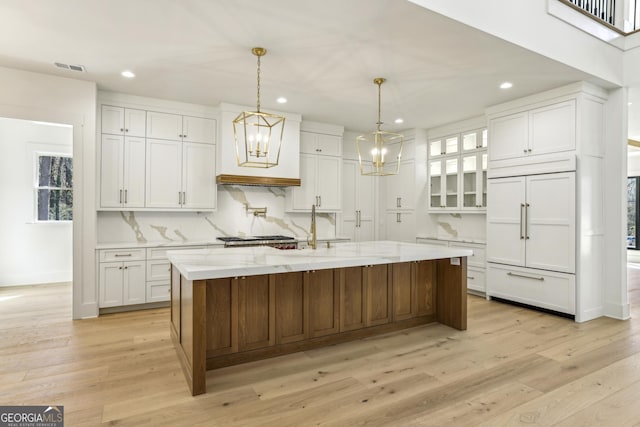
x: 258, y: 106
x: 379, y: 120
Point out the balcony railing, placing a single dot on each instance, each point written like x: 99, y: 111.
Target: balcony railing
x: 621, y: 15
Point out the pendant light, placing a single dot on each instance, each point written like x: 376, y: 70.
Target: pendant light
x: 258, y: 135
x: 379, y: 152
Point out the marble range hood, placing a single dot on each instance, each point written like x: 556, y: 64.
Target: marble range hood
x: 286, y: 173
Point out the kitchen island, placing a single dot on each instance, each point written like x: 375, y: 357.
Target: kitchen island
x: 235, y: 305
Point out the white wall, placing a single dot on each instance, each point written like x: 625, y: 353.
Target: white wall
x: 23, y: 239
x: 39, y: 97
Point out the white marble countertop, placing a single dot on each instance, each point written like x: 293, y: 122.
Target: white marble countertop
x: 211, y: 242
x: 199, y: 264
x: 454, y: 239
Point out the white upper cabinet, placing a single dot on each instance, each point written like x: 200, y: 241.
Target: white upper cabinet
x: 320, y: 184
x: 544, y: 130
x: 357, y: 203
x: 122, y: 172
x: 180, y: 175
x: 318, y: 143
x: 123, y: 121
x: 444, y: 146
x: 177, y: 127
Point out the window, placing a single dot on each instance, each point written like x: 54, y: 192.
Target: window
x: 54, y: 189
x: 632, y: 212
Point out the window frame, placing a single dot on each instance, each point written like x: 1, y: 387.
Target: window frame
x: 637, y: 244
x: 37, y: 187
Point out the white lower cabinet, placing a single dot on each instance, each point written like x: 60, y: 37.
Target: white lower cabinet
x: 476, y: 279
x: 143, y: 278
x: 551, y: 290
x: 401, y: 226
x: 122, y: 283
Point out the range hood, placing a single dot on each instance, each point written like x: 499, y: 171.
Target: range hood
x: 286, y: 173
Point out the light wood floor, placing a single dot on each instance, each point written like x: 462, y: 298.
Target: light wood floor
x: 512, y: 367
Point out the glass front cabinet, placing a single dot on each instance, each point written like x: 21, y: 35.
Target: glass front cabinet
x: 458, y: 172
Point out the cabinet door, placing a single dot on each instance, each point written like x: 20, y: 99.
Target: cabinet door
x: 405, y: 182
x: 392, y: 191
x: 451, y: 167
x: 553, y: 128
x: 305, y: 195
x: 111, y: 284
x: 550, y: 222
x: 163, y: 172
x: 112, y: 120
x: 379, y: 294
x: 401, y: 226
x: 222, y: 317
x: 308, y: 142
x: 509, y: 136
x: 473, y: 140
x: 436, y: 184
x: 134, y: 172
x: 329, y: 145
x: 199, y: 176
x: 111, y: 174
x: 197, y: 129
x: 292, y: 306
x: 135, y: 122
x: 425, y: 279
x: 353, y: 299
x: 444, y: 146
x: 324, y: 302
x: 256, y: 312
x: 365, y: 231
x: 365, y: 195
x: 403, y: 291
x: 328, y: 181
x: 350, y: 194
x: 135, y: 286
x: 164, y: 126
x: 505, y: 221
x: 470, y: 181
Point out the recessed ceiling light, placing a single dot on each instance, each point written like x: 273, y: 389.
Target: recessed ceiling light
x: 506, y: 85
x: 630, y: 103
x: 128, y: 74
x: 398, y: 121
x: 281, y: 100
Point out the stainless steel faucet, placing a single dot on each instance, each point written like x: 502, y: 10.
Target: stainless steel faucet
x: 314, y: 237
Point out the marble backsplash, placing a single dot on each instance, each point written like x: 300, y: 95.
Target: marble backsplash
x: 231, y: 219
x: 458, y: 226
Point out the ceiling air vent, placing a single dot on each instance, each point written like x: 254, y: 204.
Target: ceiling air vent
x: 70, y: 67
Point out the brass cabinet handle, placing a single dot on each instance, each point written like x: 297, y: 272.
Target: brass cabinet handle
x: 120, y: 197
x: 526, y: 221
x: 125, y: 196
x: 525, y: 276
x: 184, y: 198
x: 521, y: 221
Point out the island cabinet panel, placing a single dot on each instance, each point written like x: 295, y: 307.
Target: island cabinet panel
x: 404, y: 290
x: 379, y: 294
x: 425, y: 290
x: 222, y: 316
x: 175, y: 300
x: 353, y: 299
x: 292, y: 307
x: 324, y: 302
x: 256, y: 311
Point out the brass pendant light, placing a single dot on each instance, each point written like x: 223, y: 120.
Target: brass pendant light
x: 258, y: 135
x: 379, y: 152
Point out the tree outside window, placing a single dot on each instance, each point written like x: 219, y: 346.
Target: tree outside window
x: 633, y: 213
x: 54, y: 191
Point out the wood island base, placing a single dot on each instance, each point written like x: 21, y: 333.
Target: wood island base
x: 228, y: 321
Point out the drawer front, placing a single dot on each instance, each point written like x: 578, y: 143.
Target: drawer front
x: 110, y: 255
x: 476, y: 279
x: 554, y: 291
x: 161, y: 252
x: 479, y: 256
x: 158, y: 291
x: 158, y: 270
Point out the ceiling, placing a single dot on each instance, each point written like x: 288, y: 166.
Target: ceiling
x: 322, y: 56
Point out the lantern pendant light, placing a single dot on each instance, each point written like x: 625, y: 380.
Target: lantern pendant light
x: 258, y: 135
x: 379, y: 152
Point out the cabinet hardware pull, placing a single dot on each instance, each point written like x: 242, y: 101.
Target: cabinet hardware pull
x: 524, y: 151
x: 400, y: 202
x: 526, y: 221
x: 120, y: 268
x: 126, y: 130
x: 125, y: 196
x: 320, y: 199
x: 525, y: 276
x: 521, y: 221
x: 470, y: 277
x: 184, y: 197
x: 529, y: 150
x: 184, y: 136
x: 125, y: 267
x: 121, y: 129
x: 398, y: 217
x: 121, y: 255
x: 120, y: 197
